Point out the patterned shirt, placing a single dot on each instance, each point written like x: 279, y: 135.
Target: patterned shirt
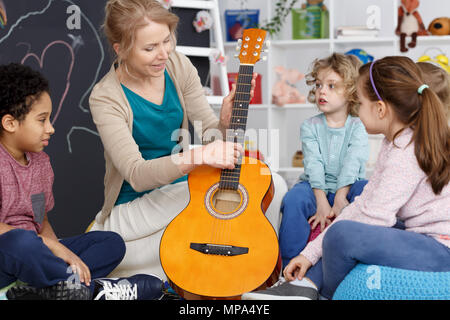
x: 25, y: 191
x: 398, y: 188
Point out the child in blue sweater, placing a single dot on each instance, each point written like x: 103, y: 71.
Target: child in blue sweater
x: 335, y: 147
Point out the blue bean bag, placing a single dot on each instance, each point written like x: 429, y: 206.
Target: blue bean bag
x: 372, y: 282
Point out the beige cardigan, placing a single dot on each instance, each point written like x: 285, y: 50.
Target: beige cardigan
x: 113, y: 117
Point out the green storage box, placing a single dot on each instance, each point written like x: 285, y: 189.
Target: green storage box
x: 310, y: 23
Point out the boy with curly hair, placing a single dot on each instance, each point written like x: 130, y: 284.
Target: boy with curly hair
x: 29, y: 249
x: 335, y: 146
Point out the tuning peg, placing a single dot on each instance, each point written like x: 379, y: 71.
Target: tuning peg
x: 238, y: 48
x: 268, y: 43
x: 264, y: 58
x: 236, y: 56
x: 239, y: 42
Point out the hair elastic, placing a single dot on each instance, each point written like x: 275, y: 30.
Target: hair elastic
x: 373, y: 82
x: 421, y: 88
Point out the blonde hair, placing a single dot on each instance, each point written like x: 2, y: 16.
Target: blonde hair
x: 439, y: 81
x: 346, y: 66
x: 124, y: 17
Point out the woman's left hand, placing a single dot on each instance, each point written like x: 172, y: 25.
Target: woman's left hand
x: 227, y: 105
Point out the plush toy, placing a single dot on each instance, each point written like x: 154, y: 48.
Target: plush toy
x: 284, y: 90
x: 440, y: 27
x: 438, y: 58
x: 409, y: 24
x: 310, y: 3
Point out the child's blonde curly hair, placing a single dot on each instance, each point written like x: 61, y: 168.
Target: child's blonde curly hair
x: 347, y: 67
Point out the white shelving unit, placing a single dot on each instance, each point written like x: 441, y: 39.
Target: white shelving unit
x: 300, y: 54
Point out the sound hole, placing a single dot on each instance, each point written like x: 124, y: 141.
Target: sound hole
x: 226, y: 201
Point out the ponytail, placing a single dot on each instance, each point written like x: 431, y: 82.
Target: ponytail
x: 432, y: 140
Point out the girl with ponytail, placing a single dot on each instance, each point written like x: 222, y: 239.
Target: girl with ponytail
x: 410, y: 183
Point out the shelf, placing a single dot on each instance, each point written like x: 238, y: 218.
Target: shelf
x: 293, y: 43
x: 194, y: 51
x: 381, y: 40
x: 215, y: 100
x: 300, y: 53
x: 431, y: 39
x: 294, y: 106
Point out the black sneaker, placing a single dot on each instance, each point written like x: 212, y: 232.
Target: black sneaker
x: 283, y: 291
x: 63, y: 290
x: 137, y: 287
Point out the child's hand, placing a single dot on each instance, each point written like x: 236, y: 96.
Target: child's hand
x: 322, y: 216
x: 339, y: 204
x: 296, y: 268
x: 76, y: 264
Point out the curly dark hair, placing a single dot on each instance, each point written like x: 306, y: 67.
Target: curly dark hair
x: 20, y: 87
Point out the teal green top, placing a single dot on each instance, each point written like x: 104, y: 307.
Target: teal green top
x: 153, y: 126
x: 333, y: 157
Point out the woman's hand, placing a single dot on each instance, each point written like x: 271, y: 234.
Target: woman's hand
x: 76, y: 264
x: 221, y: 154
x: 296, y: 268
x: 227, y: 105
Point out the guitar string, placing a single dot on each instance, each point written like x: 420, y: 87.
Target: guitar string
x: 241, y: 113
x: 230, y: 177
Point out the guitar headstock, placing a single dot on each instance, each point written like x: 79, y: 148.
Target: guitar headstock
x: 251, y: 45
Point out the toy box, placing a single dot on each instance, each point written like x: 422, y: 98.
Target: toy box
x: 310, y: 23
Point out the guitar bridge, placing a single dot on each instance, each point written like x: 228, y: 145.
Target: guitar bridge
x: 217, y: 249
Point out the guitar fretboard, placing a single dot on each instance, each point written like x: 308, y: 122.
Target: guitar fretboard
x: 229, y: 179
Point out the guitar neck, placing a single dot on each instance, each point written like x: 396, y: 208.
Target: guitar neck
x: 241, y: 102
x: 229, y: 178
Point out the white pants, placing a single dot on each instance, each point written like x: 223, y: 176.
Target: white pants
x: 141, y: 223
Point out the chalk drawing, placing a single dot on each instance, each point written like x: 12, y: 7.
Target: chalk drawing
x: 81, y: 129
x: 40, y: 60
x: 3, y: 17
x: 77, y: 42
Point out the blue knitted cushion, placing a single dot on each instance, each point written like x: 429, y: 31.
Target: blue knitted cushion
x: 372, y: 282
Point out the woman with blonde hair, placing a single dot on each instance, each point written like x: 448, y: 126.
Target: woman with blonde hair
x: 139, y: 107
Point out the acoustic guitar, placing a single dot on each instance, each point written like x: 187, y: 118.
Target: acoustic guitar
x: 222, y: 245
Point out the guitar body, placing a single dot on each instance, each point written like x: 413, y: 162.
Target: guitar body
x: 222, y: 248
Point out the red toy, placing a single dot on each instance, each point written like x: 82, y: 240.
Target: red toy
x: 316, y: 231
x: 409, y: 24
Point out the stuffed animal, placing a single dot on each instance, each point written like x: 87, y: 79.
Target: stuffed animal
x: 440, y: 27
x: 310, y: 3
x: 409, y: 24
x: 284, y: 90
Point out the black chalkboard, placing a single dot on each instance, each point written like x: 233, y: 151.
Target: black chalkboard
x: 62, y: 39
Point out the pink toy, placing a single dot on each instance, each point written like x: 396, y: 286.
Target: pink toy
x: 316, y: 231
x: 284, y: 90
